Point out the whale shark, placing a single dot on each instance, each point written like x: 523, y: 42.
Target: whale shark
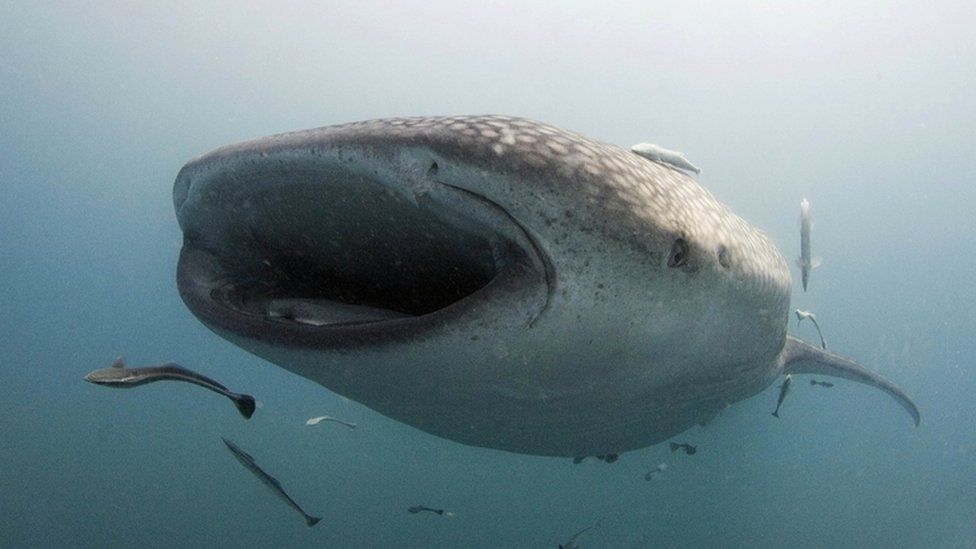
x: 492, y: 280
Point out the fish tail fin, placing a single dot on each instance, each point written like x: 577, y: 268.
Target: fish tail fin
x: 776, y: 413
x: 439, y: 511
x: 813, y: 382
x: 802, y: 358
x: 245, y: 405
x: 312, y: 521
x: 674, y: 446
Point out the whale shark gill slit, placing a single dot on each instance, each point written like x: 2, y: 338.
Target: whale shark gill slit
x: 546, y: 268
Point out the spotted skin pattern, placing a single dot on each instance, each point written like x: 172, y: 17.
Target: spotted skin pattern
x: 633, y: 188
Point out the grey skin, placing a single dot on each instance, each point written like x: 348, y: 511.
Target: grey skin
x: 609, y: 458
x: 803, y: 315
x: 784, y: 389
x: 119, y: 376
x: 556, y: 295
x: 657, y: 153
x: 272, y: 483
x: 805, y: 262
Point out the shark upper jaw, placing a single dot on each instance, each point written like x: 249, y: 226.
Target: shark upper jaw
x: 325, y: 250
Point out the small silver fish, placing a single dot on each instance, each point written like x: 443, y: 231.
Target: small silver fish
x: 657, y: 153
x: 804, y: 262
x: 248, y: 462
x: 119, y: 376
x: 803, y: 315
x: 320, y: 419
x: 653, y: 473
x: 783, y: 389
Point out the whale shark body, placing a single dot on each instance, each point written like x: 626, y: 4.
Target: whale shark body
x: 491, y: 280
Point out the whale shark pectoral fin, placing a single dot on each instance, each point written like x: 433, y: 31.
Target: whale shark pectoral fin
x: 802, y: 358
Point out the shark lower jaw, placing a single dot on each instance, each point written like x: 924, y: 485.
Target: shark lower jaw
x: 316, y: 256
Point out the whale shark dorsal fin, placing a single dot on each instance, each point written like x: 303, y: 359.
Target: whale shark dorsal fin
x: 119, y: 363
x: 799, y: 357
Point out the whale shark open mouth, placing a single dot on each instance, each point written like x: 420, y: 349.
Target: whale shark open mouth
x: 315, y: 253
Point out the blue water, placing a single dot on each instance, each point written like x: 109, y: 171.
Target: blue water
x: 867, y: 110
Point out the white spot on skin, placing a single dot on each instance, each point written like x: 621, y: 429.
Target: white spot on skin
x: 558, y: 148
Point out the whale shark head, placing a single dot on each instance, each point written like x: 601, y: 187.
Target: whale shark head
x: 491, y: 280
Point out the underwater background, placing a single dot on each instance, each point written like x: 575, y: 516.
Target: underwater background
x: 865, y: 108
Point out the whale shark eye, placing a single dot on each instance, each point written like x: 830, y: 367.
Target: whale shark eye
x: 679, y: 253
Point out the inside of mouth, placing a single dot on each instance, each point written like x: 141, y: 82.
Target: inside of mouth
x: 345, y: 253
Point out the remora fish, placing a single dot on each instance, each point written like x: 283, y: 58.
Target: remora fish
x: 117, y: 375
x: 802, y: 315
x: 520, y: 255
x: 248, y: 462
x: 826, y: 384
x: 805, y: 262
x: 657, y: 153
x: 420, y: 508
x: 783, y: 390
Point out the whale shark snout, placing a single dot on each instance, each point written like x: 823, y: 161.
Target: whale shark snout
x: 328, y: 253
x: 491, y: 280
